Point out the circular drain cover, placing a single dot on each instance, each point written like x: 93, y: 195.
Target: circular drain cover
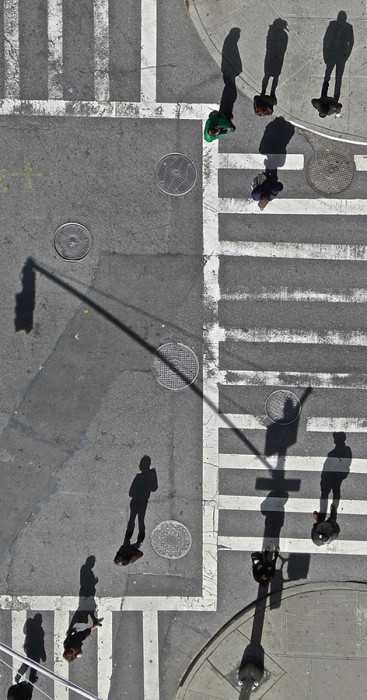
x: 283, y: 406
x: 176, y: 174
x: 175, y: 366
x: 330, y: 171
x: 72, y: 241
x: 171, y: 539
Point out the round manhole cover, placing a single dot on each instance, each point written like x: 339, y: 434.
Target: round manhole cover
x: 72, y: 241
x: 175, y: 366
x: 283, y: 406
x: 330, y: 171
x: 176, y: 174
x: 171, y: 539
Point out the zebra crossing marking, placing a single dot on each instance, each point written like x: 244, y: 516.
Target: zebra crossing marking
x: 11, y: 48
x: 280, y: 335
x: 286, y: 505
x: 55, y: 49
x: 317, y: 206
x: 321, y: 380
x: 292, y: 545
x: 101, y: 49
x: 290, y: 463
x: 150, y: 655
x: 294, y: 251
x: 315, y: 424
x: 354, y: 296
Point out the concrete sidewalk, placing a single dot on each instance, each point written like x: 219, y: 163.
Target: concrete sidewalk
x: 303, y: 70
x: 314, y: 640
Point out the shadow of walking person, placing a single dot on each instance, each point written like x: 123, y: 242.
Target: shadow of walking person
x: 273, y: 145
x: 78, y: 629
x: 25, y: 300
x: 276, y: 46
x: 231, y: 67
x: 140, y: 490
x: 34, y: 646
x: 337, y: 47
x: 336, y: 468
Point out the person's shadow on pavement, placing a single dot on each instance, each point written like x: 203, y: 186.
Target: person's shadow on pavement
x: 140, y: 490
x: 87, y: 591
x: 231, y: 67
x: 34, y: 646
x: 336, y: 468
x: 276, y: 46
x: 337, y: 47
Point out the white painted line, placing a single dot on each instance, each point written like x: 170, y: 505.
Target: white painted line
x: 61, y: 667
x: 305, y: 251
x: 101, y: 50
x: 11, y: 48
x: 292, y: 505
x: 150, y: 656
x: 299, y: 207
x: 360, y: 162
x: 104, y: 662
x: 148, y: 57
x: 243, y: 421
x: 299, y: 546
x: 117, y: 604
x: 256, y: 161
x: 277, y: 335
x: 322, y: 380
x: 353, y: 296
x: 114, y: 110
x: 18, y: 620
x: 320, y: 424
x: 55, y: 50
x: 211, y: 335
x: 291, y: 464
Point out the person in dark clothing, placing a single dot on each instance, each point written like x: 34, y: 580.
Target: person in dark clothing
x: 326, y: 106
x: 265, y: 188
x: 127, y: 554
x: 263, y: 566
x: 74, y: 640
x: 324, y: 531
x: 140, y: 490
x: 337, y: 47
x: 20, y: 691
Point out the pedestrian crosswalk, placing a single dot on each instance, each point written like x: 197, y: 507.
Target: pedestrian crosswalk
x: 224, y: 340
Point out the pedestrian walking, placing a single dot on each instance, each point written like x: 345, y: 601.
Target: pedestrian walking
x: 217, y: 125
x: 265, y: 187
x: 20, y: 691
x: 127, y: 554
x: 263, y: 565
x: 325, y: 531
x: 326, y: 106
x: 74, y: 640
x: 140, y: 490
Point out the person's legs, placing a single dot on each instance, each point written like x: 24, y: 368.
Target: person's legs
x: 325, y: 85
x: 131, y: 524
x: 141, y: 520
x: 339, y: 70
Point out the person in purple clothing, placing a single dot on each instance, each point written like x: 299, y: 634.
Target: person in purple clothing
x: 265, y: 188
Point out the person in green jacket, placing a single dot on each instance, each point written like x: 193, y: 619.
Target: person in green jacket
x: 217, y: 125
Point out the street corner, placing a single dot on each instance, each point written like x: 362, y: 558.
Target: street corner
x: 307, y: 59
x: 266, y: 644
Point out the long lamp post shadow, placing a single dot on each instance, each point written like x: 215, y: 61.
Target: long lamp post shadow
x: 149, y: 347
x: 278, y: 440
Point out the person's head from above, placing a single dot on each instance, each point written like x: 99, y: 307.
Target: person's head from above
x: 342, y: 16
x: 264, y: 200
x: 121, y: 559
x: 339, y: 438
x: 71, y: 654
x: 145, y: 463
x: 323, y: 112
x: 213, y: 131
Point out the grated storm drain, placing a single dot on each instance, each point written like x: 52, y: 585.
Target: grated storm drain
x: 330, y: 171
x: 171, y: 539
x: 72, y: 241
x: 283, y: 406
x: 175, y: 366
x: 176, y: 174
